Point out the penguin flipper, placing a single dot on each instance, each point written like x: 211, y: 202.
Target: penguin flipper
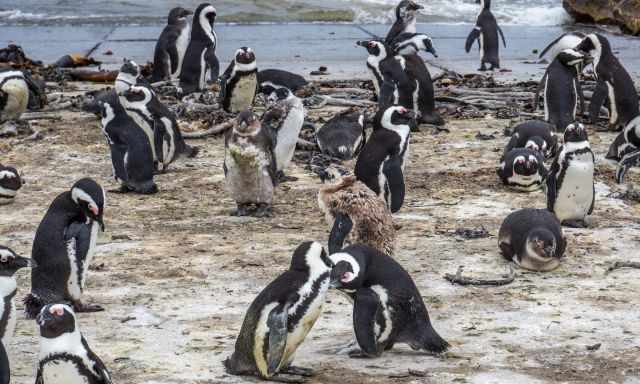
x: 551, y: 183
x: 580, y: 94
x: 504, y: 42
x: 78, y: 236
x: 365, y: 312
x: 536, y: 98
x: 5, y: 372
x: 473, y: 36
x: 277, y: 323
x: 600, y: 94
x: 213, y: 63
x: 392, y: 170
x: 98, y: 365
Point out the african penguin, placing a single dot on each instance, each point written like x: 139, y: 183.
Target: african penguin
x: 172, y: 46
x: 387, y: 306
x: 14, y: 95
x: 250, y: 165
x: 5, y: 369
x: 200, y: 61
x: 10, y: 263
x: 281, y: 316
x: 271, y: 79
x: 570, y: 187
x: 343, y: 136
x: 486, y: 32
x: 522, y: 169
x: 128, y: 76
x: 423, y: 97
x: 65, y: 356
x: 532, y: 238
x: 381, y: 162
x: 64, y: 246
x: 412, y: 43
x: 629, y: 149
x: 533, y: 134
x: 239, y: 83
x: 568, y: 40
x: 10, y: 184
x: 406, y: 12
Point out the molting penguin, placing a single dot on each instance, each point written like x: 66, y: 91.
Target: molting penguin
x: 381, y: 162
x: 64, y: 246
x: 14, y: 95
x: 271, y: 79
x: 532, y: 238
x: 486, y: 32
x: 568, y: 40
x: 172, y: 46
x: 10, y: 183
x: 10, y: 263
x: 387, y: 306
x: 522, y: 169
x: 239, y: 83
x: 533, y: 134
x: 65, y: 356
x: 281, y: 316
x: 200, y: 61
x: 406, y: 13
x: 412, y: 43
x: 628, y: 149
x: 343, y: 136
x: 250, y: 165
x: 570, y: 188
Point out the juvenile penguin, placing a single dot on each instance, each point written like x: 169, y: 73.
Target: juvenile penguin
x: 200, y: 61
x: 406, y: 13
x: 249, y: 165
x: 532, y: 238
x: 172, y: 46
x: 570, y: 188
x: 523, y: 169
x: 239, y: 82
x: 64, y: 246
x: 413, y: 43
x: 271, y: 79
x: 281, y: 316
x: 343, y: 136
x: 10, y: 263
x: 5, y: 369
x: 613, y: 81
x: 65, y: 356
x: 381, y: 162
x: 486, y: 32
x: 14, y: 95
x: 629, y: 150
x: 10, y: 184
x: 533, y: 134
x: 387, y: 306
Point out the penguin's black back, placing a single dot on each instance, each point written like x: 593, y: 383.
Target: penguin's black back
x: 289, y: 80
x: 519, y: 223
x: 381, y: 144
x: 489, y: 26
x: 5, y: 371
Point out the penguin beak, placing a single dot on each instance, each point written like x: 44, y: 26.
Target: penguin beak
x: 23, y: 262
x: 415, y: 6
x: 432, y: 51
x: 341, y: 228
x: 364, y: 44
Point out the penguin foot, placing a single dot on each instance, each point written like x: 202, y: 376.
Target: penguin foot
x: 264, y: 210
x: 87, y: 308
x: 298, y: 371
x: 243, y: 210
x: 282, y: 178
x: 359, y: 354
x: 575, y: 224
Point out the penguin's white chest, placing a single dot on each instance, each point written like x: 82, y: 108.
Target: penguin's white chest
x: 181, y: 44
x: 575, y: 195
x: 17, y: 99
x: 62, y: 372
x: 243, y: 93
x: 7, y: 308
x: 288, y: 137
x: 614, y: 107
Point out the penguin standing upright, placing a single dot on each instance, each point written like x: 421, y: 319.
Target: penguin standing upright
x: 281, y: 316
x: 65, y: 356
x: 10, y: 263
x: 381, y: 162
x: 406, y: 12
x: 486, y: 32
x: 64, y: 246
x: 200, y: 61
x: 10, y: 183
x: 343, y: 136
x: 570, y: 187
x: 239, y: 83
x: 172, y: 46
x: 14, y: 95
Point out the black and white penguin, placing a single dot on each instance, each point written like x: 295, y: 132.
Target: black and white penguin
x: 343, y: 136
x: 423, y: 97
x: 613, y: 81
x: 129, y: 75
x: 406, y: 13
x: 380, y: 165
x: 65, y: 356
x: 64, y: 246
x: 629, y: 149
x: 172, y: 46
x: 239, y: 83
x: 568, y: 40
x: 14, y: 95
x: 200, y: 61
x: 533, y: 239
x: 5, y: 369
x: 413, y: 43
x: 570, y: 187
x: 10, y: 184
x: 486, y: 32
x: 285, y: 117
x: 250, y: 165
x: 281, y: 316
x: 523, y: 169
x: 10, y: 263
x: 533, y: 134
x: 387, y: 306
x: 271, y: 79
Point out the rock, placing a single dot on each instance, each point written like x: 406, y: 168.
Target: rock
x: 624, y: 13
x: 628, y: 16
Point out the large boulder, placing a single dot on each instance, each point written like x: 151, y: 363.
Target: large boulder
x: 624, y: 13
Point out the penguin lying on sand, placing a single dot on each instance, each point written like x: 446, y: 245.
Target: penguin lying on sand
x: 343, y: 136
x: 10, y: 263
x: 239, y: 83
x: 406, y: 13
x: 271, y: 79
x: 486, y: 32
x: 522, y: 169
x: 10, y: 184
x: 533, y: 134
x: 172, y: 46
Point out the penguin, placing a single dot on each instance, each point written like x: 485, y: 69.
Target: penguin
x: 533, y: 239
x: 281, y: 316
x: 614, y: 82
x: 412, y: 43
x: 128, y: 76
x: 343, y: 136
x: 354, y: 212
x: 423, y: 97
x: 380, y: 165
x: 239, y: 83
x: 568, y: 40
x: 271, y: 79
x: 64, y: 246
x: 285, y: 117
x: 14, y: 95
x: 65, y: 356
x: 537, y: 135
x: 5, y: 369
x: 200, y: 61
x: 486, y: 32
x: 387, y: 306
x: 570, y: 188
x: 131, y: 152
x: 10, y: 263
x: 172, y: 46
x: 629, y: 150
x: 522, y: 169
x: 620, y: 146
x: 250, y: 165
x: 10, y: 184
x: 406, y: 13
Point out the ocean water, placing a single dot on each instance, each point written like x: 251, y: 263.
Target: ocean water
x: 154, y: 12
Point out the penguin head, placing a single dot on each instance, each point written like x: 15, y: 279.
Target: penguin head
x: 10, y: 181
x: 541, y: 247
x: 279, y: 95
x: 595, y: 45
x: 427, y: 45
x: 10, y: 262
x: 576, y: 133
x: 407, y: 10
x: 311, y: 257
x: 178, y: 14
x: 536, y: 143
x: 375, y: 48
x: 206, y: 13
x: 55, y: 320
x: 333, y: 173
x: 347, y: 272
x: 574, y: 59
x: 247, y: 123
x: 245, y: 56
x: 526, y: 164
x: 90, y: 197
x: 130, y: 68
x: 397, y: 116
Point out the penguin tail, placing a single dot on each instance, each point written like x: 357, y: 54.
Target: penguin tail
x: 32, y: 305
x: 432, y: 342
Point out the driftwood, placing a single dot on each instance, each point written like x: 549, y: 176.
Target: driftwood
x: 356, y: 91
x: 216, y: 129
x: 49, y: 115
x: 623, y: 264
x: 306, y: 145
x: 92, y: 76
x: 457, y: 278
